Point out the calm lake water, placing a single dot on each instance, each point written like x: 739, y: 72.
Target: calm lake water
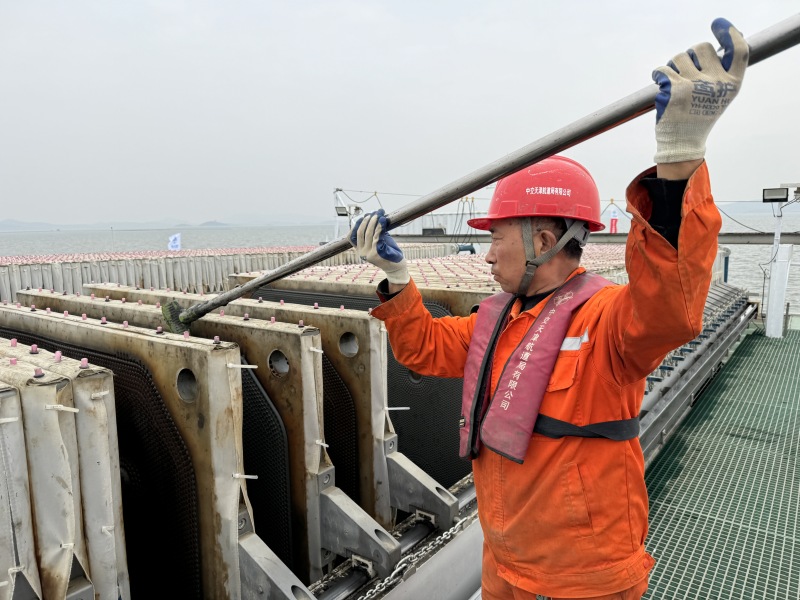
x: 130, y: 240
x: 748, y: 264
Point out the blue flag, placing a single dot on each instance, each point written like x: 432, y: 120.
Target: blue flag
x: 174, y: 242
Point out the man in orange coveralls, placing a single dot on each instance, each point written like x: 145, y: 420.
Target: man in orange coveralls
x: 554, y: 367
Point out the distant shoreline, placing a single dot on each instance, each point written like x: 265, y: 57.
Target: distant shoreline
x: 90, y: 228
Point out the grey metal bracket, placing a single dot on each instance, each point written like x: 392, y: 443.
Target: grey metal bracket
x: 263, y: 575
x: 411, y: 489
x: 245, y: 522
x: 389, y: 443
x: 326, y: 477
x: 347, y: 530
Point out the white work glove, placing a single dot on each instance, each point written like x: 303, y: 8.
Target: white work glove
x: 374, y: 244
x: 695, y: 88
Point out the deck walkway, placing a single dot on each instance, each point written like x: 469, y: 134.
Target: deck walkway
x: 725, y: 491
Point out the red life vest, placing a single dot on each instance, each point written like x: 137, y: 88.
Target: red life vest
x: 506, y: 422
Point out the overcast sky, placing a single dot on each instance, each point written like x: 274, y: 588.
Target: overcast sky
x: 251, y: 110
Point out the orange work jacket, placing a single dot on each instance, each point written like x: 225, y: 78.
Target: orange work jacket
x: 571, y: 520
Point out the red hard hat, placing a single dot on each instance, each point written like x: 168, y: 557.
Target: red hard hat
x: 554, y: 187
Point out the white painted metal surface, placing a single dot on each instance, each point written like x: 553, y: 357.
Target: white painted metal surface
x: 778, y: 280
x: 16, y: 520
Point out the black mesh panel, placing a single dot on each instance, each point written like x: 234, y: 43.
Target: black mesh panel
x: 341, y: 433
x: 266, y: 454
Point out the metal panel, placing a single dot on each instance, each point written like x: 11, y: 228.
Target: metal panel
x: 52, y: 451
x: 426, y: 409
x: 98, y: 454
x: 19, y: 573
x: 289, y: 367
x: 354, y: 345
x: 203, y: 396
x: 266, y: 448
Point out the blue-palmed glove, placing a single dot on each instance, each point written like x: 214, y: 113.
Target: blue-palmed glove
x: 374, y: 244
x: 695, y: 88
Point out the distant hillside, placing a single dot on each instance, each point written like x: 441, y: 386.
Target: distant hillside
x: 205, y: 224
x: 10, y: 225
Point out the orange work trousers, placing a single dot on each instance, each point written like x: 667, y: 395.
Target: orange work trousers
x: 494, y: 587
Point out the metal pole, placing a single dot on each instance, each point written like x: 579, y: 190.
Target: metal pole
x: 763, y: 45
x: 777, y: 287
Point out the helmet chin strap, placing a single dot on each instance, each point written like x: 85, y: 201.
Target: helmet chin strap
x: 576, y: 229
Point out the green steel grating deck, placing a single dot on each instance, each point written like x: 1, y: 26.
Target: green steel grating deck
x: 725, y: 491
